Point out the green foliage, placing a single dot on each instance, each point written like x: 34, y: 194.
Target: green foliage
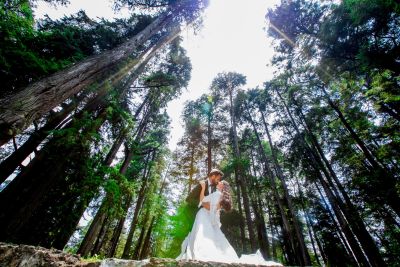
x: 339, y: 87
x: 81, y: 132
x: 32, y: 50
x: 181, y: 224
x: 226, y: 82
x: 384, y: 89
x: 95, y: 258
x: 368, y: 8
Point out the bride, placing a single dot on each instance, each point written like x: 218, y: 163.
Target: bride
x: 206, y: 241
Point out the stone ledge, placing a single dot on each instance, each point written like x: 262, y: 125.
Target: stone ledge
x: 172, y: 263
x: 12, y: 255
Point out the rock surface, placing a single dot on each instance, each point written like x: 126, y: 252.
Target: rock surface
x: 12, y: 255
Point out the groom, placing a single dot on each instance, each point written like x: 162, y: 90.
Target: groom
x: 211, y: 182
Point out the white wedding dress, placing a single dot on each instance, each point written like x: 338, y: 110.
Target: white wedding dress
x: 206, y: 241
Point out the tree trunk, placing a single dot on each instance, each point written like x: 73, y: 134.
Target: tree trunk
x: 241, y: 224
x: 209, y: 134
x: 310, y: 229
x: 12, y: 162
x: 129, y: 155
x: 145, y: 251
x: 93, y: 232
x: 312, y: 237
x: 315, y: 161
x: 138, y: 207
x: 21, y: 109
x: 320, y: 247
x: 240, y: 177
x: 348, y: 210
x: 128, y: 200
x: 94, y: 229
x: 362, y: 260
x: 286, y: 242
x: 262, y: 234
x: 100, y: 239
x: 57, y: 171
x: 280, y: 204
x: 261, y: 230
x: 8, y: 166
x: 357, y: 224
x: 386, y: 184
x: 191, y: 168
x: 118, y: 230
x: 299, y: 233
x: 273, y: 233
x: 32, y: 186
x: 136, y: 252
x: 17, y: 112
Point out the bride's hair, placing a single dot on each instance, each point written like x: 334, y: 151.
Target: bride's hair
x: 226, y: 200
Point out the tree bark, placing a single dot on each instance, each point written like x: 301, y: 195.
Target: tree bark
x: 273, y: 230
x: 209, y: 134
x: 88, y: 241
x: 241, y: 226
x: 350, y: 213
x: 310, y: 229
x: 240, y: 176
x: 299, y: 233
x: 94, y: 229
x: 362, y: 260
x: 138, y: 207
x: 191, y: 168
x: 118, y: 230
x: 261, y: 230
x: 57, y: 171
x: 347, y: 206
x: 12, y: 162
x: 151, y: 109
x: 145, y: 251
x: 29, y: 190
x: 100, y: 239
x: 8, y: 166
x: 386, y: 184
x: 136, y: 252
x: 18, y: 111
x: 279, y: 202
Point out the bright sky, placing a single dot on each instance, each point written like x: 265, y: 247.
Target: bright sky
x: 233, y: 39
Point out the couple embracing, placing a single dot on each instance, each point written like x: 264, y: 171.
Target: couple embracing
x: 206, y: 241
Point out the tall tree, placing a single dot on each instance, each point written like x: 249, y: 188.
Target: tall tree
x: 39, y: 98
x: 229, y: 83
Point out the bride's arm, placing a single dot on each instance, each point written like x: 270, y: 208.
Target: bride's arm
x: 215, y: 208
x: 203, y: 186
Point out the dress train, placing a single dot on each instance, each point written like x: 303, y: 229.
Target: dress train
x: 206, y: 241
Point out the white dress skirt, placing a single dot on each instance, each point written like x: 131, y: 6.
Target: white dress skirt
x: 206, y: 241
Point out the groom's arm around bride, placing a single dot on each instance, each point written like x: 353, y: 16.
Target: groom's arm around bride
x: 193, y: 199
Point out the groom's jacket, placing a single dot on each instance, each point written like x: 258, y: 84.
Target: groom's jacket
x: 194, y: 196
